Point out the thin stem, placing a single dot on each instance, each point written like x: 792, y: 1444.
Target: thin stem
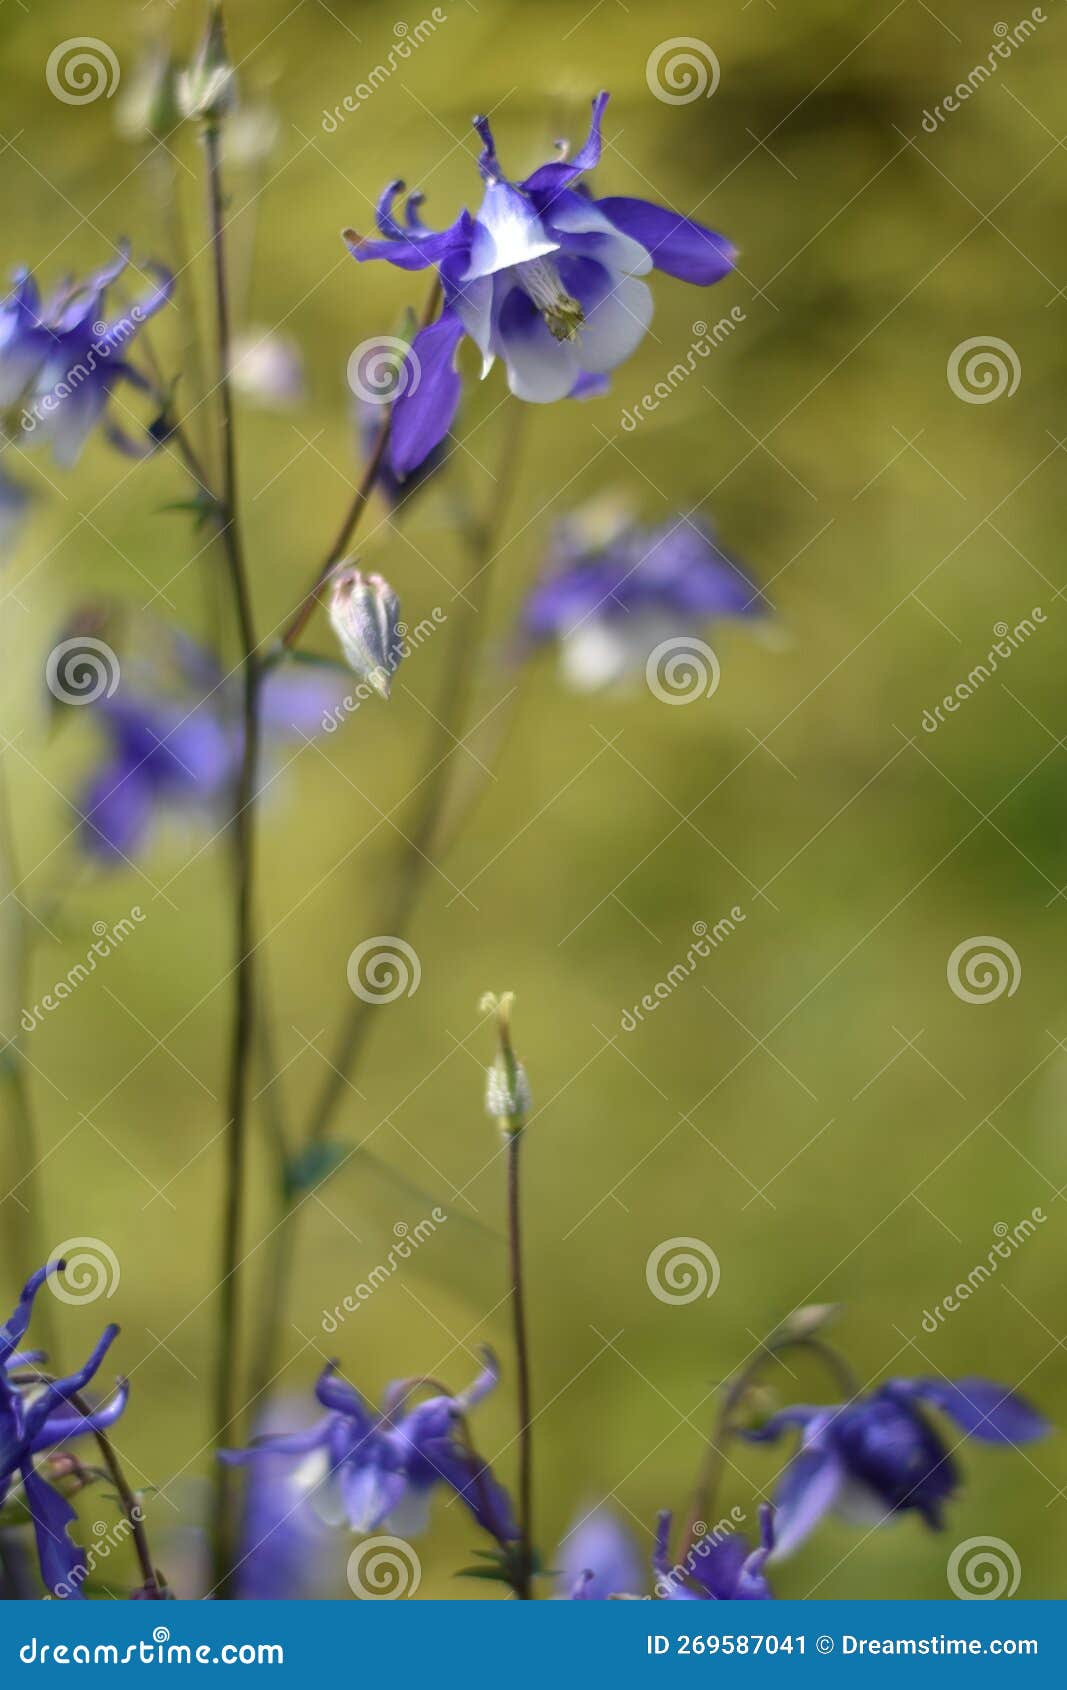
x: 25, y: 1229
x: 154, y: 1582
x: 353, y: 514
x: 227, y: 1409
x: 415, y: 862
x: 522, y: 1362
x: 704, y: 1491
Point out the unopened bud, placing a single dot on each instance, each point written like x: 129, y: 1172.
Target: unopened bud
x: 208, y: 87
x: 804, y: 1323
x: 364, y: 611
x: 507, y: 1090
x: 148, y: 104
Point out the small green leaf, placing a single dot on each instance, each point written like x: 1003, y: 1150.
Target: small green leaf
x: 310, y: 1166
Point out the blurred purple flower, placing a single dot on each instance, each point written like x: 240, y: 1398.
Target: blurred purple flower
x: 286, y: 1548
x: 181, y: 750
x: 61, y: 358
x: 599, y: 1558
x: 614, y: 591
x: 544, y: 277
x: 35, y: 1419
x: 378, y: 1471
x: 879, y: 1455
x: 716, y: 1569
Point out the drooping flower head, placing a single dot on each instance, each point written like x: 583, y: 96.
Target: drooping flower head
x: 61, y: 358
x: 544, y: 277
x: 378, y: 1471
x: 173, y: 739
x: 286, y: 1549
x: 880, y: 1455
x: 716, y: 1568
x: 614, y: 590
x: 34, y: 1419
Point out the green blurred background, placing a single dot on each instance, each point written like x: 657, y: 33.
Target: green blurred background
x: 814, y: 1103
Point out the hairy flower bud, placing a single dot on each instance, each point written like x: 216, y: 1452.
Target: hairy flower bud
x: 507, y: 1091
x: 364, y: 611
x: 208, y: 87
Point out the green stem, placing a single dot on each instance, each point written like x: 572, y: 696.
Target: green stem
x: 227, y: 1369
x: 415, y: 861
x: 522, y: 1362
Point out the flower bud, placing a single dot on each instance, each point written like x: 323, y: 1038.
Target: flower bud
x: 147, y: 106
x: 364, y: 611
x: 208, y: 88
x: 507, y: 1090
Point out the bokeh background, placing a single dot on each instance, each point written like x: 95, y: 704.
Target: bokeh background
x: 815, y: 1103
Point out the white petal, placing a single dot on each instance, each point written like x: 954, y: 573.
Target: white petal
x: 540, y: 367
x: 615, y: 326
x: 507, y: 231
x: 608, y: 245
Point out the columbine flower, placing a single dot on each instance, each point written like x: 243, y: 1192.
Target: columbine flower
x: 377, y: 1471
x: 716, y: 1569
x: 364, y: 611
x: 614, y: 591
x: 179, y: 751
x: 599, y: 1558
x: 61, y: 358
x: 34, y: 1419
x: 879, y: 1455
x: 544, y: 277
x: 286, y: 1551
